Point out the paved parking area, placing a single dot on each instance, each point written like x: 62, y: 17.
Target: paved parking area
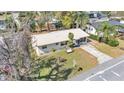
x: 101, y: 57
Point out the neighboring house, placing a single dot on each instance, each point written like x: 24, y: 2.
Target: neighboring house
x: 54, y: 24
x: 97, y: 17
x: 44, y: 43
x: 119, y: 24
x: 91, y: 29
x: 116, y: 23
x: 2, y: 23
x: 95, y: 20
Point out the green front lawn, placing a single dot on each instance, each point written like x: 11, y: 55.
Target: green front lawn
x: 79, y: 57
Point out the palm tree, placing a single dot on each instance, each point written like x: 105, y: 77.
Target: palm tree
x: 74, y: 16
x: 81, y: 19
x: 32, y: 25
x: 84, y: 19
x: 66, y: 20
x: 108, y: 31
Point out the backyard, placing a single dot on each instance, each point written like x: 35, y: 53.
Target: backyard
x: 79, y: 61
x: 111, y: 51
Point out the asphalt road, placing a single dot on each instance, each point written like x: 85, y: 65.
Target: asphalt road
x: 113, y: 70
x: 114, y: 73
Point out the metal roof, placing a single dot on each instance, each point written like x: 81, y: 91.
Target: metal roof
x: 115, y: 23
x: 111, y: 22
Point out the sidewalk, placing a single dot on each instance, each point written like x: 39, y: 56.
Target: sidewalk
x: 101, y: 57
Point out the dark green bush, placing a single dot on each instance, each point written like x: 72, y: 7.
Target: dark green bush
x: 94, y: 37
x: 113, y: 42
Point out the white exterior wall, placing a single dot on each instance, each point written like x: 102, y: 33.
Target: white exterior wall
x: 91, y: 30
x: 50, y: 47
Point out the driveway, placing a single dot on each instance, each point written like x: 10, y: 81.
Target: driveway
x: 101, y: 57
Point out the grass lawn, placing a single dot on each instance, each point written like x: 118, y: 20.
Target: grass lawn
x: 112, y: 51
x: 79, y: 57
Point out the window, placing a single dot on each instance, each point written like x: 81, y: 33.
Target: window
x: 44, y: 47
x: 63, y: 43
x: 91, y: 29
x: 57, y: 43
x: 83, y: 39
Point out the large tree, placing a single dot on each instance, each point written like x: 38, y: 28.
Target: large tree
x: 108, y: 30
x: 82, y: 19
x: 15, y: 56
x: 67, y: 20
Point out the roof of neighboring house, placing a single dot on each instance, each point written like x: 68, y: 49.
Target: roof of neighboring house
x: 99, y: 15
x: 96, y: 24
x: 58, y: 36
x: 114, y: 22
x: 111, y: 22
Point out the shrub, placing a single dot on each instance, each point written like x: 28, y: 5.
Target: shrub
x: 62, y: 59
x: 113, y: 42
x: 95, y: 37
x: 53, y: 49
x: 70, y: 44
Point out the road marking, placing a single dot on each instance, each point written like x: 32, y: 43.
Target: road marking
x: 115, y: 73
x: 100, y: 72
x: 102, y: 78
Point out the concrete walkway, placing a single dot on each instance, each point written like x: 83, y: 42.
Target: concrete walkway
x: 101, y: 57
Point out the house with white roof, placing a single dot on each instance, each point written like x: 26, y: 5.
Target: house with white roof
x: 44, y: 43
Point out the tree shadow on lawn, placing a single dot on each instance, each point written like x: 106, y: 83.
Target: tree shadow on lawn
x: 59, y: 76
x: 57, y: 70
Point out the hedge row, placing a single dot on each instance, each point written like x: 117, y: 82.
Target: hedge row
x: 111, y: 42
x: 94, y: 37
